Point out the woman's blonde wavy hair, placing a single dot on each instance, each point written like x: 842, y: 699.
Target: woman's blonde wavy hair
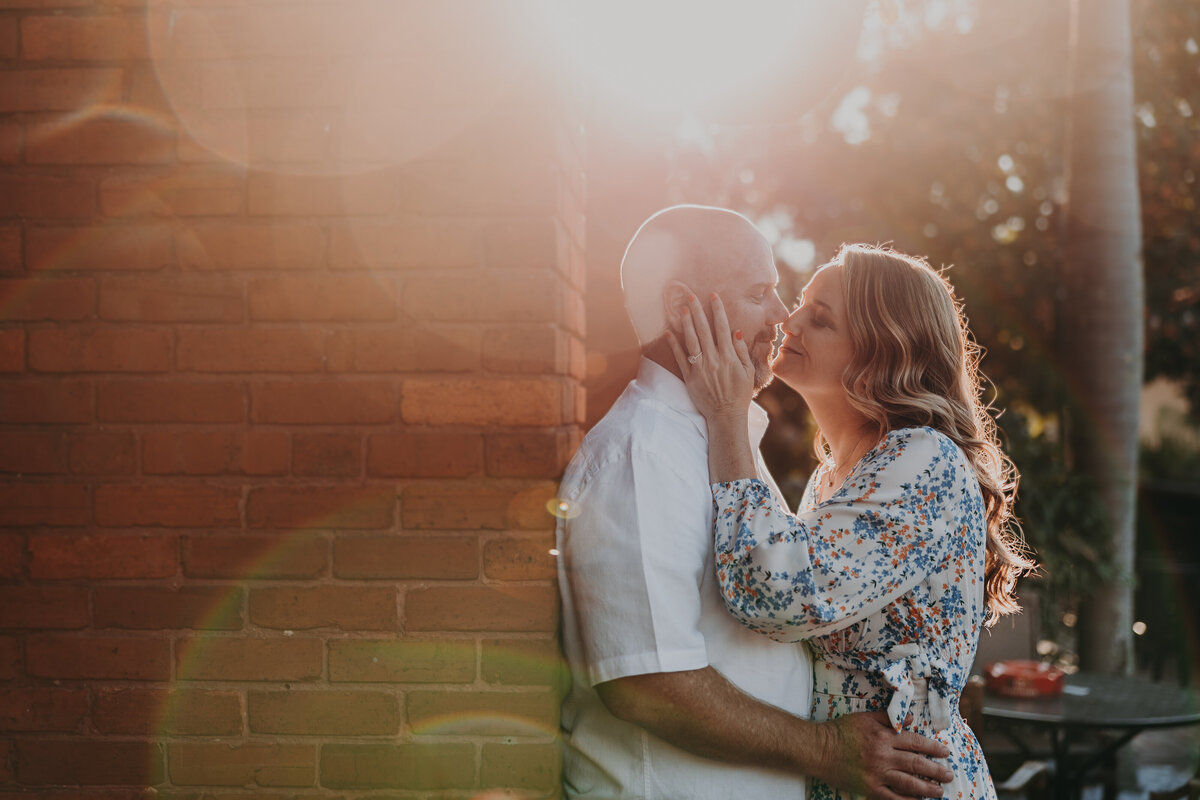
x: 915, y: 364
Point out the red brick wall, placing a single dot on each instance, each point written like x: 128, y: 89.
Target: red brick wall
x: 291, y: 351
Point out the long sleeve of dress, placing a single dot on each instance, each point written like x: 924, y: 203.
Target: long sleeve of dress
x: 795, y: 577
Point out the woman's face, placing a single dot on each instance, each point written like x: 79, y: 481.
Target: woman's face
x: 816, y: 347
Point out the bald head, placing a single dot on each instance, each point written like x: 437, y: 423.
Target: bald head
x: 704, y: 247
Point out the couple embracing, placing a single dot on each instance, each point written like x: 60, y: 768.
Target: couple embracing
x: 724, y: 646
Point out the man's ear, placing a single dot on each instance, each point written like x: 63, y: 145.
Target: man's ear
x: 675, y: 299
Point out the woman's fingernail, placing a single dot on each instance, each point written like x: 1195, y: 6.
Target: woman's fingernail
x: 738, y: 336
x: 713, y: 296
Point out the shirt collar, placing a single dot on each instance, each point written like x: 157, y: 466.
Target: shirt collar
x: 668, y: 389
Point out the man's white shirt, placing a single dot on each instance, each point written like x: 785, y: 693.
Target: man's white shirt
x: 640, y: 596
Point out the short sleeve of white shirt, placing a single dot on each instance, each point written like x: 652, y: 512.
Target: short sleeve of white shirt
x: 636, y: 565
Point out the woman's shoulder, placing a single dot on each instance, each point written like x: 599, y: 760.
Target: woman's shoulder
x: 918, y: 444
x: 923, y: 437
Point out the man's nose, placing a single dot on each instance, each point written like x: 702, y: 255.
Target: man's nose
x: 779, y: 312
x: 791, y: 325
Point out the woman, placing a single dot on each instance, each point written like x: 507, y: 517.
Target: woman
x: 902, y: 548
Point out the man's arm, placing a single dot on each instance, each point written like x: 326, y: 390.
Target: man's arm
x: 701, y: 712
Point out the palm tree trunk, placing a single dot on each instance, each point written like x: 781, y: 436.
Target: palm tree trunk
x: 1101, y: 308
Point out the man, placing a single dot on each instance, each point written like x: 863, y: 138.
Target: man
x: 670, y: 696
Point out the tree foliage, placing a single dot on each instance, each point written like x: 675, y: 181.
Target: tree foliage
x: 1167, y: 89
x: 947, y: 140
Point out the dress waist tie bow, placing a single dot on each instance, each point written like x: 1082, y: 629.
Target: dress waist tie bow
x: 912, y: 673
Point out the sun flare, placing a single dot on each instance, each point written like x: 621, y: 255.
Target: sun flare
x: 678, y: 56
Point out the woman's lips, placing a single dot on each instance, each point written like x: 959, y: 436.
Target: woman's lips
x: 789, y: 347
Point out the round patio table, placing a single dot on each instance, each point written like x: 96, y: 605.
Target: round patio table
x: 1092, y: 701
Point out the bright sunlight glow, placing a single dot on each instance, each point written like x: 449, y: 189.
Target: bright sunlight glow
x: 681, y: 55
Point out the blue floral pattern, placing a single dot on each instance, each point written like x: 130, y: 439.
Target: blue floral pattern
x: 884, y: 580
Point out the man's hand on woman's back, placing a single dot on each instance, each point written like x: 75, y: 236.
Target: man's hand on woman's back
x: 861, y: 753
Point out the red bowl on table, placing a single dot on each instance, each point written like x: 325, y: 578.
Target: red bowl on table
x: 1024, y: 678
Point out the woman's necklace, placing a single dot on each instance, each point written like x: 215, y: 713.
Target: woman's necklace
x: 833, y: 481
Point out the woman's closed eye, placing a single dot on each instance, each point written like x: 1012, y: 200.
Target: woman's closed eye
x: 816, y: 316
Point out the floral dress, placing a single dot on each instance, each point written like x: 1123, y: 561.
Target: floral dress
x: 884, y: 580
